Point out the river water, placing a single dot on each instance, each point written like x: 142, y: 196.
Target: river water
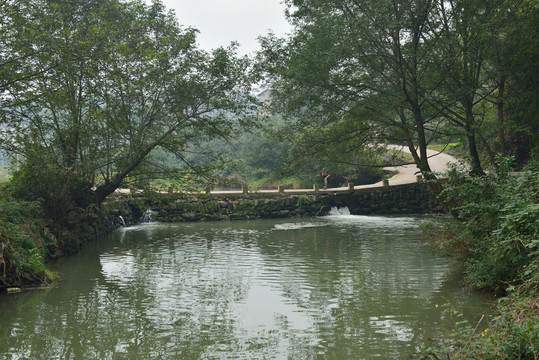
x: 334, y: 287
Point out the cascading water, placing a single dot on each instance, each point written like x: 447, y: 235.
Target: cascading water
x: 335, y: 211
x: 121, y: 221
x: 342, y: 215
x: 147, y: 217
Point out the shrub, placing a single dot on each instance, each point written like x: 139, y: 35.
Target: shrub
x: 501, y: 213
x: 499, y: 236
x: 21, y: 255
x: 512, y: 335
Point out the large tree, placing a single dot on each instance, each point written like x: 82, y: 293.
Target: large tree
x: 514, y: 68
x: 116, y: 81
x: 16, y: 44
x: 361, y: 72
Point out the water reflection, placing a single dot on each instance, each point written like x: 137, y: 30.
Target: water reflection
x: 355, y: 288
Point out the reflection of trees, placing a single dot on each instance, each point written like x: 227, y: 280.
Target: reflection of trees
x: 362, y: 288
x: 178, y: 291
x: 149, y: 312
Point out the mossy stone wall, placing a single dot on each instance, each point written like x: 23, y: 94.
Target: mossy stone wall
x: 401, y: 199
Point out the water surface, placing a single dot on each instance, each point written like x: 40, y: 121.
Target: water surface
x: 338, y: 287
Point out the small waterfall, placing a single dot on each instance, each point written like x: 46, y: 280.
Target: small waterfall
x: 122, y: 221
x: 335, y: 211
x: 147, y: 217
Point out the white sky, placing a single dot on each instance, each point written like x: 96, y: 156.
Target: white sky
x: 223, y: 21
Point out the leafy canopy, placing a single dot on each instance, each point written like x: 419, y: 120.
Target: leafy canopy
x: 100, y: 86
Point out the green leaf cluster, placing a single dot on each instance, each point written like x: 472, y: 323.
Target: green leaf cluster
x: 92, y: 94
x: 512, y: 334
x: 22, y: 252
x: 355, y: 74
x: 501, y: 214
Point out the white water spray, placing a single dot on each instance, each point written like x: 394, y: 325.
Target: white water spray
x: 335, y: 211
x: 147, y: 217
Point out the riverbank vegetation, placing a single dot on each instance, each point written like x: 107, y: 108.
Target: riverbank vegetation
x: 23, y: 244
x: 95, y: 96
x: 497, y: 238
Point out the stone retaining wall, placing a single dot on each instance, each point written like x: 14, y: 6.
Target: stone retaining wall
x: 400, y: 199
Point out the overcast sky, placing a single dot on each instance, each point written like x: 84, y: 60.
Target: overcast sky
x: 223, y: 21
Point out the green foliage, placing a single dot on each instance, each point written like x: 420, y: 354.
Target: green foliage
x: 511, y: 335
x: 450, y: 236
x: 501, y: 212
x: 520, y: 46
x: 31, y: 263
x: 522, y: 341
x: 22, y: 259
x: 71, y: 246
x: 303, y: 200
x: 505, y: 164
x: 35, y: 178
x: 95, y: 89
x: 17, y: 212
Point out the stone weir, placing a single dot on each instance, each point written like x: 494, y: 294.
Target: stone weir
x: 413, y: 198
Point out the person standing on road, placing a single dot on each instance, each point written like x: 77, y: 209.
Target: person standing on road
x: 325, y: 175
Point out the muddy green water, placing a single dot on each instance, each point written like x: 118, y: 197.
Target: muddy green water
x: 356, y: 288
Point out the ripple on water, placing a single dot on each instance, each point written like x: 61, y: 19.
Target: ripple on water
x: 353, y: 288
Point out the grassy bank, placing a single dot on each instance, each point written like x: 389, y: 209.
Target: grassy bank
x: 497, y: 238
x: 513, y: 332
x: 29, y: 239
x: 23, y: 245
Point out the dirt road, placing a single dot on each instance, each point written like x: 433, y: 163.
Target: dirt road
x: 407, y: 174
x: 438, y: 162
